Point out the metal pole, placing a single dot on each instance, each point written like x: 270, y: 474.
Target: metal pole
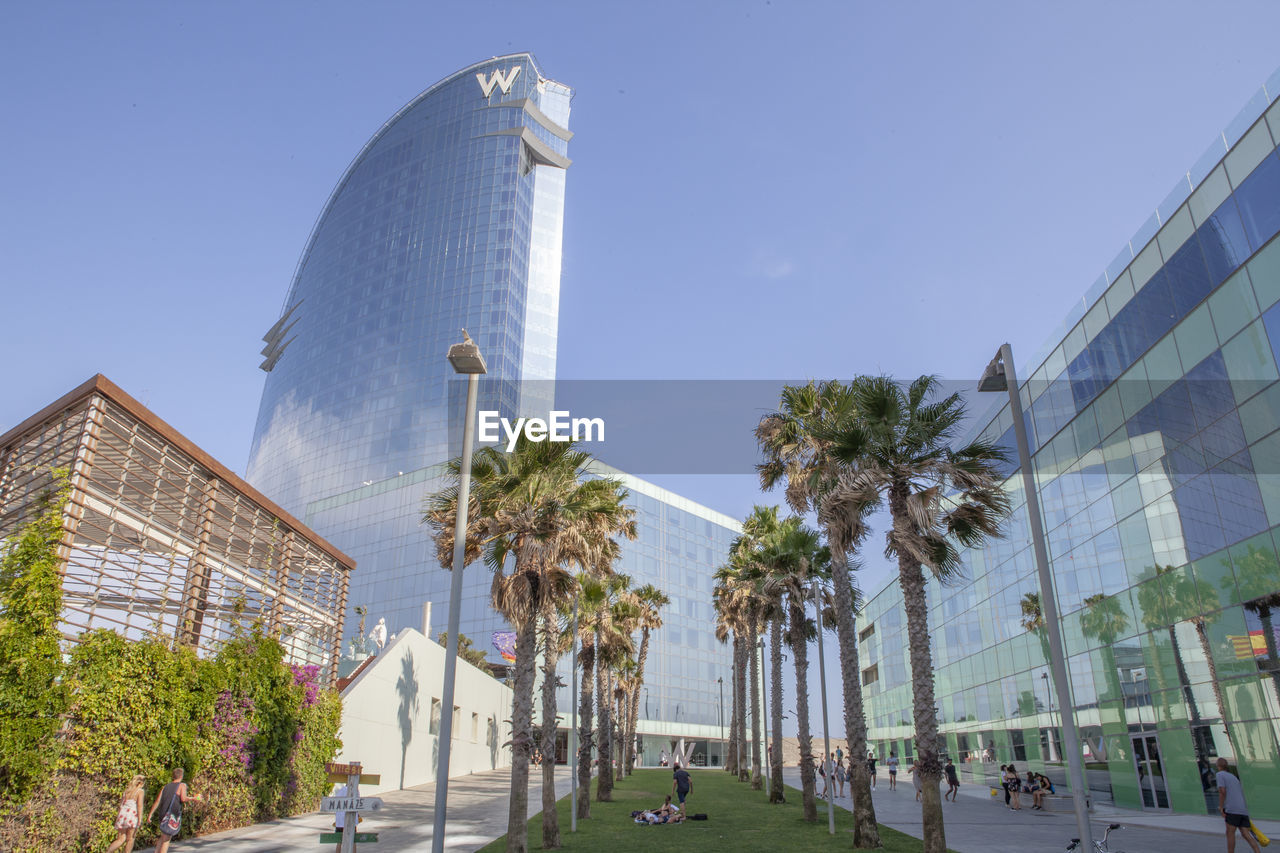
x: 455, y: 607
x: 826, y: 732
x: 764, y: 704
x: 573, y: 732
x: 1049, y: 604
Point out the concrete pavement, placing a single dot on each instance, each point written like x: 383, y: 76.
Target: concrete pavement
x: 477, y: 815
x: 979, y: 823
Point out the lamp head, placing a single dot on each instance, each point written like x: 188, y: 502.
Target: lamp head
x: 993, y: 378
x: 465, y: 356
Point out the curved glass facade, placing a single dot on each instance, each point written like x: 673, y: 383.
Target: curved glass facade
x: 449, y: 218
x: 1155, y: 429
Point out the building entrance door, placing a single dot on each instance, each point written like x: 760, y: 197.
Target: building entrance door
x: 1151, y: 784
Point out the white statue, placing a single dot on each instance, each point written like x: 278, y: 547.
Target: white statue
x: 379, y: 634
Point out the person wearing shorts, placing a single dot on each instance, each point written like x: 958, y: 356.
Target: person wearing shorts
x: 871, y: 767
x: 953, y: 781
x: 681, y: 784
x: 1234, y: 811
x: 893, y: 771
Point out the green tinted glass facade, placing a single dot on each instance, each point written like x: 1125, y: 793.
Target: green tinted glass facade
x: 1155, y: 428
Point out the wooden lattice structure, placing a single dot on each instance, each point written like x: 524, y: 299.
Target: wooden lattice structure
x: 159, y: 538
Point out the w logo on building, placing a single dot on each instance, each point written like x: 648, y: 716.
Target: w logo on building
x: 498, y: 80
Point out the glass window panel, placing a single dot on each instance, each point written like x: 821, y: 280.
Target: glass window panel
x: 1163, y: 365
x: 1260, y: 415
x: 1212, y: 191
x: 1250, y: 358
x: 1187, y: 278
x: 1264, y: 272
x: 1175, y: 232
x: 1145, y: 265
x: 1259, y: 201
x: 1233, y: 305
x: 1248, y: 153
x: 1223, y: 241
x: 1195, y: 336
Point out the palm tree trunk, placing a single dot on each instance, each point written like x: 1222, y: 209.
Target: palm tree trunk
x: 1203, y: 636
x: 521, y: 734
x: 622, y: 732
x: 911, y: 579
x: 550, y: 818
x: 604, y: 770
x: 800, y: 655
x: 775, y: 710
x: 866, y: 834
x: 744, y: 771
x: 1184, y: 683
x: 635, y: 699
x: 1273, y: 654
x: 757, y: 780
x: 731, y: 757
x: 587, y: 656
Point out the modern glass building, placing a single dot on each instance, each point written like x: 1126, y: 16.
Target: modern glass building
x: 1154, y: 418
x: 449, y: 218
x: 679, y: 546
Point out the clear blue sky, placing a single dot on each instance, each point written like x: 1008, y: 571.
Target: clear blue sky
x: 759, y: 190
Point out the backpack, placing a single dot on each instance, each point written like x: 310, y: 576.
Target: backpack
x: 697, y: 817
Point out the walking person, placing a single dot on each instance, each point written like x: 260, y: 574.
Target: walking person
x: 824, y: 770
x: 871, y: 767
x: 681, y: 784
x: 914, y: 770
x: 893, y: 770
x: 840, y: 776
x: 173, y: 796
x: 131, y: 804
x: 953, y: 781
x: 1234, y: 811
x: 1004, y: 783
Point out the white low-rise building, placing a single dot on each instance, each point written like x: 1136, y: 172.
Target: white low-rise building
x: 391, y: 716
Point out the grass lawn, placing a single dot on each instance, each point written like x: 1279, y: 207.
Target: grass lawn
x: 739, y: 820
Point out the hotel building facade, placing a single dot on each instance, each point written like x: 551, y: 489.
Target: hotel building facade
x: 1155, y: 430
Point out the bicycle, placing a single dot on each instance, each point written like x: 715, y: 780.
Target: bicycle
x: 1099, y: 846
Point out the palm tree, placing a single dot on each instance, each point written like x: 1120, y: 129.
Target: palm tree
x: 592, y: 599
x: 796, y: 442
x: 897, y: 448
x: 1105, y: 620
x: 1168, y: 596
x: 613, y: 645
x: 728, y: 600
x: 534, y: 511
x: 795, y: 557
x: 651, y: 600
x: 1258, y: 570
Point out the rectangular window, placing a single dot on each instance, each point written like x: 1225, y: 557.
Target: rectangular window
x: 871, y: 674
x: 866, y: 632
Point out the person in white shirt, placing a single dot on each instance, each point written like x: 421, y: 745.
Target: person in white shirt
x: 1234, y: 810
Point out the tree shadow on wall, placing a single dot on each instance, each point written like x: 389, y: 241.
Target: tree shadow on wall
x: 492, y: 740
x: 407, y: 689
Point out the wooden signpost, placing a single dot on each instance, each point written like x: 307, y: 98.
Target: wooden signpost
x: 350, y: 806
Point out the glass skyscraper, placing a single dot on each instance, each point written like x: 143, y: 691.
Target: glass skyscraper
x: 451, y: 217
x: 1155, y: 427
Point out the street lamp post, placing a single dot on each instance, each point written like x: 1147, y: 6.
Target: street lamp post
x: 826, y: 729
x: 1000, y: 376
x: 467, y: 360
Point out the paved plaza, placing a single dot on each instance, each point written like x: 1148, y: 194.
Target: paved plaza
x: 979, y: 823
x: 477, y: 814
